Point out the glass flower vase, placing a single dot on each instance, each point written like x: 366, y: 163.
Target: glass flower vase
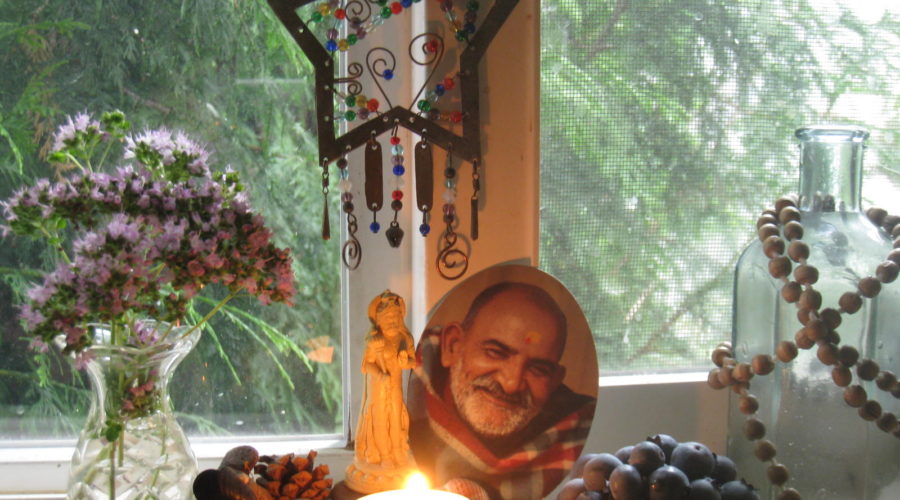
x: 829, y: 450
x: 131, y: 446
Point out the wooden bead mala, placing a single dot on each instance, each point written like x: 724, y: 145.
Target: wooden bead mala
x: 819, y: 329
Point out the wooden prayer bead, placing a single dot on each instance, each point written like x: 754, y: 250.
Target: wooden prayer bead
x: 713, y: 379
x: 886, y: 380
x: 767, y: 230
x: 725, y: 376
x: 855, y: 395
x: 896, y: 242
x: 786, y: 351
x: 777, y: 474
x: 793, y: 230
x: 876, y: 215
x: 816, y: 330
x: 762, y: 364
x: 804, y: 316
x: 802, y: 340
x: 791, y: 291
x: 766, y: 219
x: 841, y: 376
x: 834, y: 337
x: 827, y: 354
x: 748, y: 404
x: 887, y: 422
x: 789, y: 494
x: 773, y: 247
x: 764, y: 450
x: 870, y: 410
x: 720, y: 354
x: 785, y: 201
x: 895, y: 233
x: 788, y: 214
x: 806, y: 274
x: 867, y: 369
x: 742, y: 372
x: 809, y: 299
x: 740, y: 388
x: 831, y: 317
x: 869, y: 287
x: 798, y: 251
x: 894, y: 256
x: 754, y: 429
x: 779, y: 267
x: 890, y: 222
x: 848, y: 355
x: 887, y: 271
x: 850, y: 302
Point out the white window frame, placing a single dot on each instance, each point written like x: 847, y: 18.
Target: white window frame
x: 628, y: 407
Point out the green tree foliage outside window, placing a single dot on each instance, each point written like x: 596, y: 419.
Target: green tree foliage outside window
x: 228, y: 74
x: 667, y: 126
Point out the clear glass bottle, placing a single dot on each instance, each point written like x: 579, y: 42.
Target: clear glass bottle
x: 830, y: 451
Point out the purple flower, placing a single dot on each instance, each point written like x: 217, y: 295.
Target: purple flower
x: 83, y: 358
x: 119, y: 227
x: 38, y: 345
x: 40, y: 294
x: 31, y: 317
x: 66, y: 133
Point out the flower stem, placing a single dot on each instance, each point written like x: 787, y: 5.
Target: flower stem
x: 210, y: 314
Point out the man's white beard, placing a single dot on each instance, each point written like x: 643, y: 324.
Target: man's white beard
x: 479, y: 409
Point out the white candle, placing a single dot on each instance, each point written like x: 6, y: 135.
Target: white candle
x: 416, y: 489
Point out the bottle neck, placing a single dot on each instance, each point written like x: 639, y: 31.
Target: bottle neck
x: 831, y: 168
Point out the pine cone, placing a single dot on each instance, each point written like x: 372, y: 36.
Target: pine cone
x: 289, y: 477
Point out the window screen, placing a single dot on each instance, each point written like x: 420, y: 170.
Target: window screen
x: 666, y: 127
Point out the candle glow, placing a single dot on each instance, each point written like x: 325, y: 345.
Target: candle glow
x: 416, y: 488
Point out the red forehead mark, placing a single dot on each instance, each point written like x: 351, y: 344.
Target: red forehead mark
x: 532, y: 337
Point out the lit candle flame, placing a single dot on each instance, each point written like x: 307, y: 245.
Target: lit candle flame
x: 416, y: 481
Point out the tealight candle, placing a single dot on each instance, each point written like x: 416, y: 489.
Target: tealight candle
x: 416, y: 488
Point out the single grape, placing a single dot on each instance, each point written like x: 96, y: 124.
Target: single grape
x: 724, y: 470
x: 625, y: 483
x: 597, y: 471
x: 668, y: 483
x: 694, y: 459
x: 666, y: 442
x: 704, y: 489
x: 571, y: 489
x: 646, y: 457
x: 623, y: 453
x: 578, y: 467
x: 738, y: 490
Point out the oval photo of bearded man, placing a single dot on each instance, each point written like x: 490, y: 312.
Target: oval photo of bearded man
x: 505, y: 386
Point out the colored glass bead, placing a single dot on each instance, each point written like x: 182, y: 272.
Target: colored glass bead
x: 445, y: 116
x: 472, y: 5
x: 377, y: 20
x: 372, y: 104
x: 449, y: 209
x: 350, y: 115
x: 361, y: 101
x: 423, y: 105
x: 462, y: 35
x: 343, y: 46
x: 374, y: 226
x: 396, y: 205
x: 316, y: 17
x: 397, y: 160
x: 406, y: 3
x: 469, y: 27
x: 396, y: 8
x: 331, y: 45
x: 324, y: 9
x: 348, y: 207
x: 352, y: 39
x: 434, y: 114
x: 386, y: 12
x: 346, y: 196
x: 350, y: 100
x: 387, y: 74
x: 362, y: 113
x: 397, y: 195
x: 424, y: 229
x: 355, y: 22
x: 439, y: 89
x: 342, y: 163
x: 446, y: 5
x: 449, y: 173
x: 331, y: 34
x: 399, y: 170
x: 397, y: 150
x: 449, y: 83
x: 340, y: 13
x: 450, y: 183
x: 456, y: 116
x: 471, y: 16
x: 334, y: 4
x: 361, y: 33
x: 345, y: 173
x: 345, y: 185
x: 395, y: 140
x: 432, y: 46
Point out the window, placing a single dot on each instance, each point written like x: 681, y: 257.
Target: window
x: 228, y: 74
x: 666, y: 127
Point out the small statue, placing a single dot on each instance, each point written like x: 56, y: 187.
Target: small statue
x: 382, y: 458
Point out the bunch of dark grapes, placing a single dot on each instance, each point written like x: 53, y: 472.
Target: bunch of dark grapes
x: 659, y: 468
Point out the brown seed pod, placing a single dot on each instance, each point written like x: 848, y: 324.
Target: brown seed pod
x: 754, y: 429
x: 850, y: 302
x: 848, y: 355
x: 766, y: 219
x: 767, y: 230
x: 786, y: 351
x: 713, y: 379
x: 806, y: 275
x: 789, y: 494
x: 793, y: 230
x: 870, y: 410
x: 742, y: 372
x: 748, y: 404
x: 720, y: 354
x: 867, y: 369
x: 762, y: 364
x: 887, y: 422
x: 876, y: 215
x: 831, y: 317
x: 810, y: 299
x: 780, y: 267
x: 855, y: 396
x: 788, y: 214
x: 791, y: 291
x: 885, y: 380
x: 798, y: 251
x: 764, y: 450
x: 816, y: 330
x: 869, y: 287
x: 827, y: 354
x: 887, y: 271
x: 802, y: 339
x: 777, y: 474
x: 841, y: 376
x: 773, y: 247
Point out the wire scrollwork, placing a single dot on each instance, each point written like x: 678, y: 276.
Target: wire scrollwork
x: 351, y: 252
x: 381, y: 61
x: 430, y: 47
x: 354, y: 88
x: 452, y: 263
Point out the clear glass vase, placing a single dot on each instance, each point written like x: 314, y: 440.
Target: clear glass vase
x: 131, y: 446
x: 830, y: 451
